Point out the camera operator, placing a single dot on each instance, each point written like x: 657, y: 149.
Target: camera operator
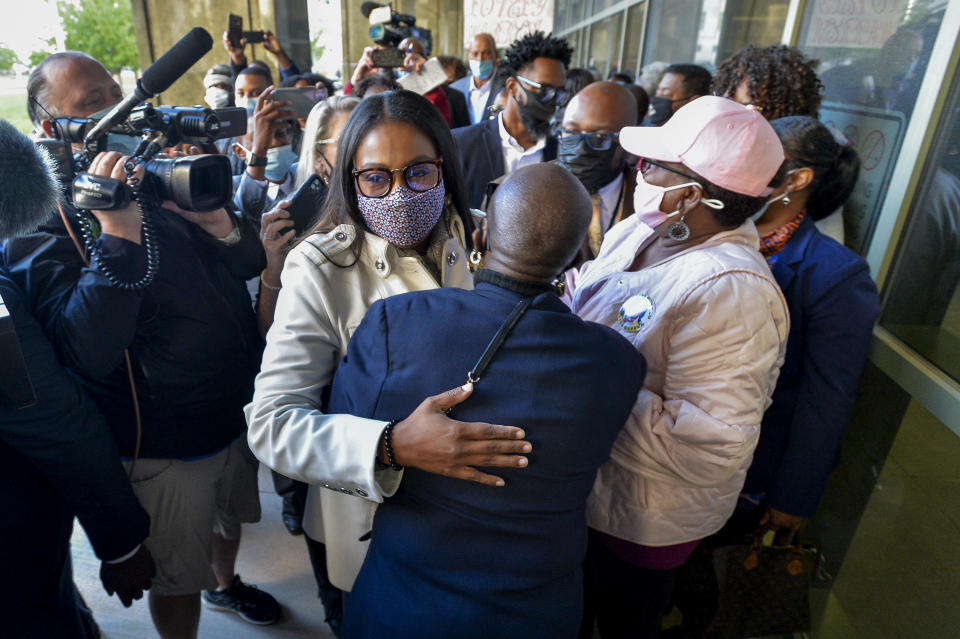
x: 57, y: 460
x: 193, y: 352
x: 412, y: 63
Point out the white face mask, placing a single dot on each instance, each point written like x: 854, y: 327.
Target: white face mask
x: 217, y: 97
x: 647, y: 199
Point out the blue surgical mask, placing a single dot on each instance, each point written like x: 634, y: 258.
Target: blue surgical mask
x: 250, y: 104
x: 481, y: 68
x: 766, y: 205
x: 279, y: 161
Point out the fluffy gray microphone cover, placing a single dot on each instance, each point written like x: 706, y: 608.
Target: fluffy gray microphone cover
x: 28, y: 183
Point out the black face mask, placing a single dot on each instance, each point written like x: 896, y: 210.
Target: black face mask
x: 593, y: 168
x: 661, y: 110
x: 536, y: 115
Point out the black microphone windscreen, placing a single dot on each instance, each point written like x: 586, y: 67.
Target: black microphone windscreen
x: 174, y: 63
x: 28, y: 184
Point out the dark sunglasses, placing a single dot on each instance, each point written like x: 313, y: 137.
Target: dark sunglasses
x: 596, y: 141
x: 646, y: 164
x: 419, y: 176
x: 546, y: 94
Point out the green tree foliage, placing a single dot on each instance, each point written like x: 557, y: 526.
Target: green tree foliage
x: 102, y: 29
x: 316, y: 46
x: 36, y: 57
x: 7, y: 58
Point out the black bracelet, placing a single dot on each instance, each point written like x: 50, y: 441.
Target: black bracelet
x: 388, y: 444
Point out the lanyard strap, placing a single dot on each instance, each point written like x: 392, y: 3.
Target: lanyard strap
x: 481, y: 366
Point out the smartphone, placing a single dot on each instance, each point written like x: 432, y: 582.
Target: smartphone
x: 301, y: 100
x: 234, y: 29
x: 387, y: 58
x: 253, y: 37
x: 306, y: 202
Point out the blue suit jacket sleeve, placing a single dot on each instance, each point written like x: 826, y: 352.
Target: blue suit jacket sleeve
x: 68, y: 443
x: 289, y: 72
x: 89, y: 320
x: 837, y: 335
x: 361, y: 375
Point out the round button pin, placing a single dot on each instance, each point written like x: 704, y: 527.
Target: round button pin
x: 635, y: 313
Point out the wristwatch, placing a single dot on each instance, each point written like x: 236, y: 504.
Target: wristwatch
x: 256, y: 160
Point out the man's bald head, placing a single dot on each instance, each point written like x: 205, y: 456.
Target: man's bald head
x: 601, y: 106
x: 482, y: 47
x: 538, y: 219
x: 72, y: 84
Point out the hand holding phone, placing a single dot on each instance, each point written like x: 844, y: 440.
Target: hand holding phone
x: 301, y: 100
x: 306, y: 202
x: 234, y: 30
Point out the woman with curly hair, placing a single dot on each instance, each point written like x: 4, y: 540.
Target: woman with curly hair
x: 777, y: 80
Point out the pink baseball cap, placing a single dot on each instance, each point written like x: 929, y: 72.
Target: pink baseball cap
x: 729, y: 144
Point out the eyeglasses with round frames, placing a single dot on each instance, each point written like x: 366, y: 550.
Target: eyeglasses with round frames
x: 596, y: 141
x: 546, y: 94
x: 418, y: 176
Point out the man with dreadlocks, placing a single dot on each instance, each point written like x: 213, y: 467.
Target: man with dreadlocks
x: 777, y: 80
x: 535, y: 73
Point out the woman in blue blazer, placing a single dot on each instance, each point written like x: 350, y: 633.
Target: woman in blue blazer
x: 833, y: 305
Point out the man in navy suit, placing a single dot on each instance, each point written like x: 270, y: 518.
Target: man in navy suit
x: 477, y: 86
x: 450, y: 558
x: 534, y: 74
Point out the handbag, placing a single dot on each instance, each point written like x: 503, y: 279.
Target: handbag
x: 764, y: 589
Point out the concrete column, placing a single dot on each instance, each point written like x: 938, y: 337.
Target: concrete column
x: 160, y: 23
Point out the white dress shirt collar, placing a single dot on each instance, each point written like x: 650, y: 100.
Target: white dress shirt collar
x: 514, y: 156
x: 478, y: 99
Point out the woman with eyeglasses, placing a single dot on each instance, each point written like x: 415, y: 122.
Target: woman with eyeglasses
x: 683, y: 280
x: 317, y: 155
x: 395, y: 220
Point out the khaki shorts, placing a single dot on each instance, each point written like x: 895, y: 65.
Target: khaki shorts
x: 187, y: 502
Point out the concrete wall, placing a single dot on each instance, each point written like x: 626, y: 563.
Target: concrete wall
x: 160, y: 23
x: 443, y: 18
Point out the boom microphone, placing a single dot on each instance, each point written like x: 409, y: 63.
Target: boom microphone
x: 29, y: 188
x: 157, y: 78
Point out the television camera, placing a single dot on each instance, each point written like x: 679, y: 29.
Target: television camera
x: 388, y: 28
